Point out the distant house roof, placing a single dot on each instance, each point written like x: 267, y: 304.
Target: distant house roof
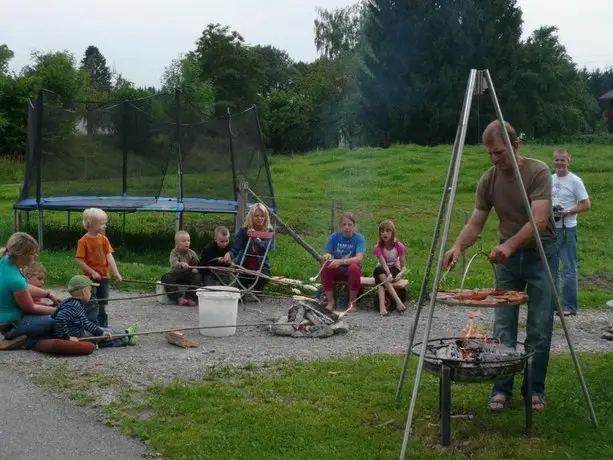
x: 608, y: 96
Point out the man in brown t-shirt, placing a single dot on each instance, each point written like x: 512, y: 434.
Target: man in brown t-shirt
x: 517, y: 259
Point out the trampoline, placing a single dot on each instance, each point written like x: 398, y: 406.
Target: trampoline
x: 151, y: 154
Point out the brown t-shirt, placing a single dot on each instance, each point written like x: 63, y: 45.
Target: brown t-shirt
x: 502, y: 192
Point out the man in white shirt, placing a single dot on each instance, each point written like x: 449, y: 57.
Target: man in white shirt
x: 569, y: 198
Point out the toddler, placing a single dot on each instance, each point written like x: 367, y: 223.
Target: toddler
x: 36, y: 274
x: 95, y: 257
x: 72, y: 324
x: 214, y: 256
x: 182, y: 259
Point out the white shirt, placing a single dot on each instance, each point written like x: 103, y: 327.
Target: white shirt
x: 567, y: 191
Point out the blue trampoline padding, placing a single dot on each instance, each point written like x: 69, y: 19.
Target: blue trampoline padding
x: 128, y: 203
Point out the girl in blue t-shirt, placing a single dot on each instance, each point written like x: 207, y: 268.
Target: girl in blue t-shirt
x: 343, y: 260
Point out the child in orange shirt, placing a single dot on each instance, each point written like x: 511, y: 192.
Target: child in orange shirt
x: 95, y: 256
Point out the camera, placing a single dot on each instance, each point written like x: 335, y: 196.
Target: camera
x: 557, y: 209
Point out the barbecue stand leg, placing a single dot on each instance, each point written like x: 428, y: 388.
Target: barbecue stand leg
x: 445, y: 405
x: 528, y: 396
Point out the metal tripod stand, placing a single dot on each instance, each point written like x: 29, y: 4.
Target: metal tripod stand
x: 479, y: 82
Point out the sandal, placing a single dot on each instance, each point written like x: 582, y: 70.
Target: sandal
x: 498, y: 402
x: 384, y: 313
x: 538, y: 403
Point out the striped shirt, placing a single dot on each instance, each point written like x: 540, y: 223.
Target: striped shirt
x: 70, y: 320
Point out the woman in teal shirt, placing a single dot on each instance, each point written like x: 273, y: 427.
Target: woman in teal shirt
x: 20, y: 317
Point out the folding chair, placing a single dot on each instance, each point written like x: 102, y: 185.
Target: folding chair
x: 247, y: 281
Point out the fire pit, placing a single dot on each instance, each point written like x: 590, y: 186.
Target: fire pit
x: 474, y: 359
x: 471, y: 360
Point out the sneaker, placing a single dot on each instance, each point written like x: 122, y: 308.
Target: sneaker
x: 132, y: 329
x: 18, y: 343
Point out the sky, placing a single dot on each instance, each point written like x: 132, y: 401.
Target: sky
x: 139, y: 38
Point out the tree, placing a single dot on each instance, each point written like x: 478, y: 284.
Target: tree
x: 554, y: 93
x: 94, y: 63
x: 275, y: 65
x: 15, y: 91
x: 235, y: 71
x: 6, y: 54
x: 57, y: 72
x: 417, y: 56
x: 338, y: 31
x: 183, y: 74
x: 288, y: 122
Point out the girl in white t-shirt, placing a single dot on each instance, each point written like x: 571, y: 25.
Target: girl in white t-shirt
x: 391, y: 267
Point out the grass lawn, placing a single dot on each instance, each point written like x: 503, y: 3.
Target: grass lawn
x: 344, y: 409
x: 403, y: 183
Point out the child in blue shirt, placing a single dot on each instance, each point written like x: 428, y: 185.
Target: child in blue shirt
x: 343, y: 258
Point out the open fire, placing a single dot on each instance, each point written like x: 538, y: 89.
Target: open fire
x: 473, y: 344
x: 473, y: 357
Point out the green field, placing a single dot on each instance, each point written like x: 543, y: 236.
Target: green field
x: 344, y: 409
x: 402, y: 183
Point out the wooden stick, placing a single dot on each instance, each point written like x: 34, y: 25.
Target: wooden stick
x: 314, y: 278
x: 371, y: 289
x: 163, y: 331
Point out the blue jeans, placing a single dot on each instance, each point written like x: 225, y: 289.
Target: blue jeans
x: 567, y: 284
x: 96, y: 310
x: 32, y: 326
x: 523, y: 270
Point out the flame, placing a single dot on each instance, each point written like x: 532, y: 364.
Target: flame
x: 471, y: 329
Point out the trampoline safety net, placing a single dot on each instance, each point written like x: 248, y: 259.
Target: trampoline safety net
x: 136, y: 148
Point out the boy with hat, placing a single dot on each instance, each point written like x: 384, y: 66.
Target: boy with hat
x: 71, y: 322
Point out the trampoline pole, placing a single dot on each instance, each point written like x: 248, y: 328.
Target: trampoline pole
x: 179, y: 122
x: 40, y: 228
x: 16, y: 221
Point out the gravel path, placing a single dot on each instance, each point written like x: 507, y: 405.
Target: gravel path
x: 155, y: 360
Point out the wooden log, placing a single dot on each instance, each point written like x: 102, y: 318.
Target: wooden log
x: 180, y: 340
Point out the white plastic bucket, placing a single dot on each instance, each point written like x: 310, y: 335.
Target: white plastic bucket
x: 218, y: 306
x: 161, y: 294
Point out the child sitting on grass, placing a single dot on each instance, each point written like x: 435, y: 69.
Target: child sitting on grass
x: 182, y: 259
x: 214, y: 256
x: 72, y: 324
x: 95, y: 257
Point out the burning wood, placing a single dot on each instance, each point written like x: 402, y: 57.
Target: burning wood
x: 474, y: 352
x: 309, y: 319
